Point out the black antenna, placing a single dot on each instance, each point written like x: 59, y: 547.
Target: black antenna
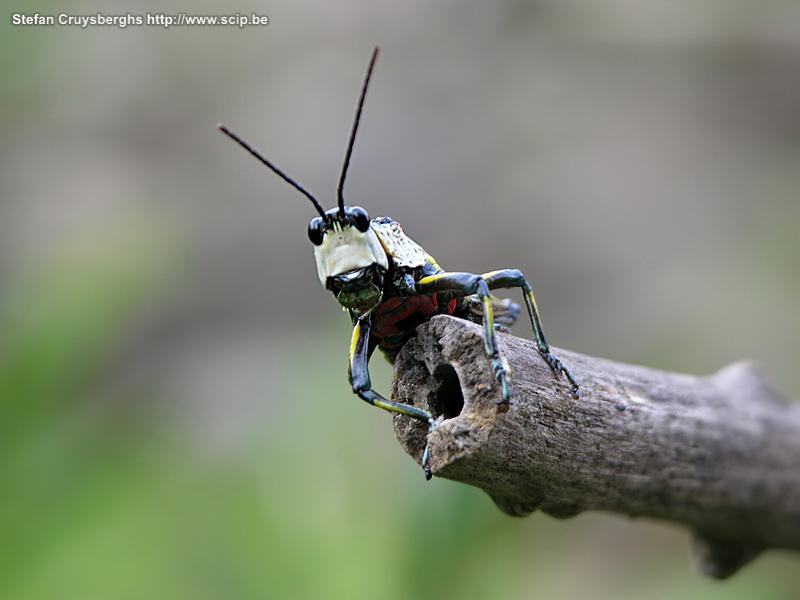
x: 280, y: 173
x: 340, y: 190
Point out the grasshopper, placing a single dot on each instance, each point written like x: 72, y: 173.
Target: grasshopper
x: 390, y: 285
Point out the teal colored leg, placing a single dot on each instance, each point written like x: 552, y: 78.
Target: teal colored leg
x: 358, y: 374
x: 467, y: 284
x: 508, y: 278
x: 426, y: 454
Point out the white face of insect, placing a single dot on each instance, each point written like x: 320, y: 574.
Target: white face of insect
x: 345, y: 249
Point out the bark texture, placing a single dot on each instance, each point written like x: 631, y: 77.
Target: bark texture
x: 719, y: 454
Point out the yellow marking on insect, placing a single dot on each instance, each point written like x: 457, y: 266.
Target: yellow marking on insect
x: 432, y: 260
x: 432, y: 278
x: 533, y: 301
x: 490, y: 274
x: 354, y: 341
x: 488, y: 313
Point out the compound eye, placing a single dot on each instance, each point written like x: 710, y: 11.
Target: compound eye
x: 361, y: 218
x: 315, y: 231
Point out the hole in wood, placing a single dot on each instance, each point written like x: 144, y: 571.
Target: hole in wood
x: 447, y: 399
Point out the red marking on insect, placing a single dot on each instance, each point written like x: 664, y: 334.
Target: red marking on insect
x: 390, y: 314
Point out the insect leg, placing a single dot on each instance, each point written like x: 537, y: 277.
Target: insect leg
x: 358, y: 373
x: 467, y: 284
x: 507, y: 278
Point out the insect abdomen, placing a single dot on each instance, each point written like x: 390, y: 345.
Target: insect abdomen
x: 396, y: 320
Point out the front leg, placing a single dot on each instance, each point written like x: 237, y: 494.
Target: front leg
x: 466, y: 284
x: 358, y: 374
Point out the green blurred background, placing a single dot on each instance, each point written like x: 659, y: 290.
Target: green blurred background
x: 175, y: 419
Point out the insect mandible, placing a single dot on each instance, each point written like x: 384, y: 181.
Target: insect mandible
x: 390, y: 285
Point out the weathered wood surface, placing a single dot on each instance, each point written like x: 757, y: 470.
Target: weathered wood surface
x: 719, y: 454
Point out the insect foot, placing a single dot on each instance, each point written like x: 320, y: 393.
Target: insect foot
x: 503, y: 405
x: 557, y: 368
x: 502, y: 372
x: 426, y: 455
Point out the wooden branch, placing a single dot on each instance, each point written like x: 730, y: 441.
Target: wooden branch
x: 719, y: 454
